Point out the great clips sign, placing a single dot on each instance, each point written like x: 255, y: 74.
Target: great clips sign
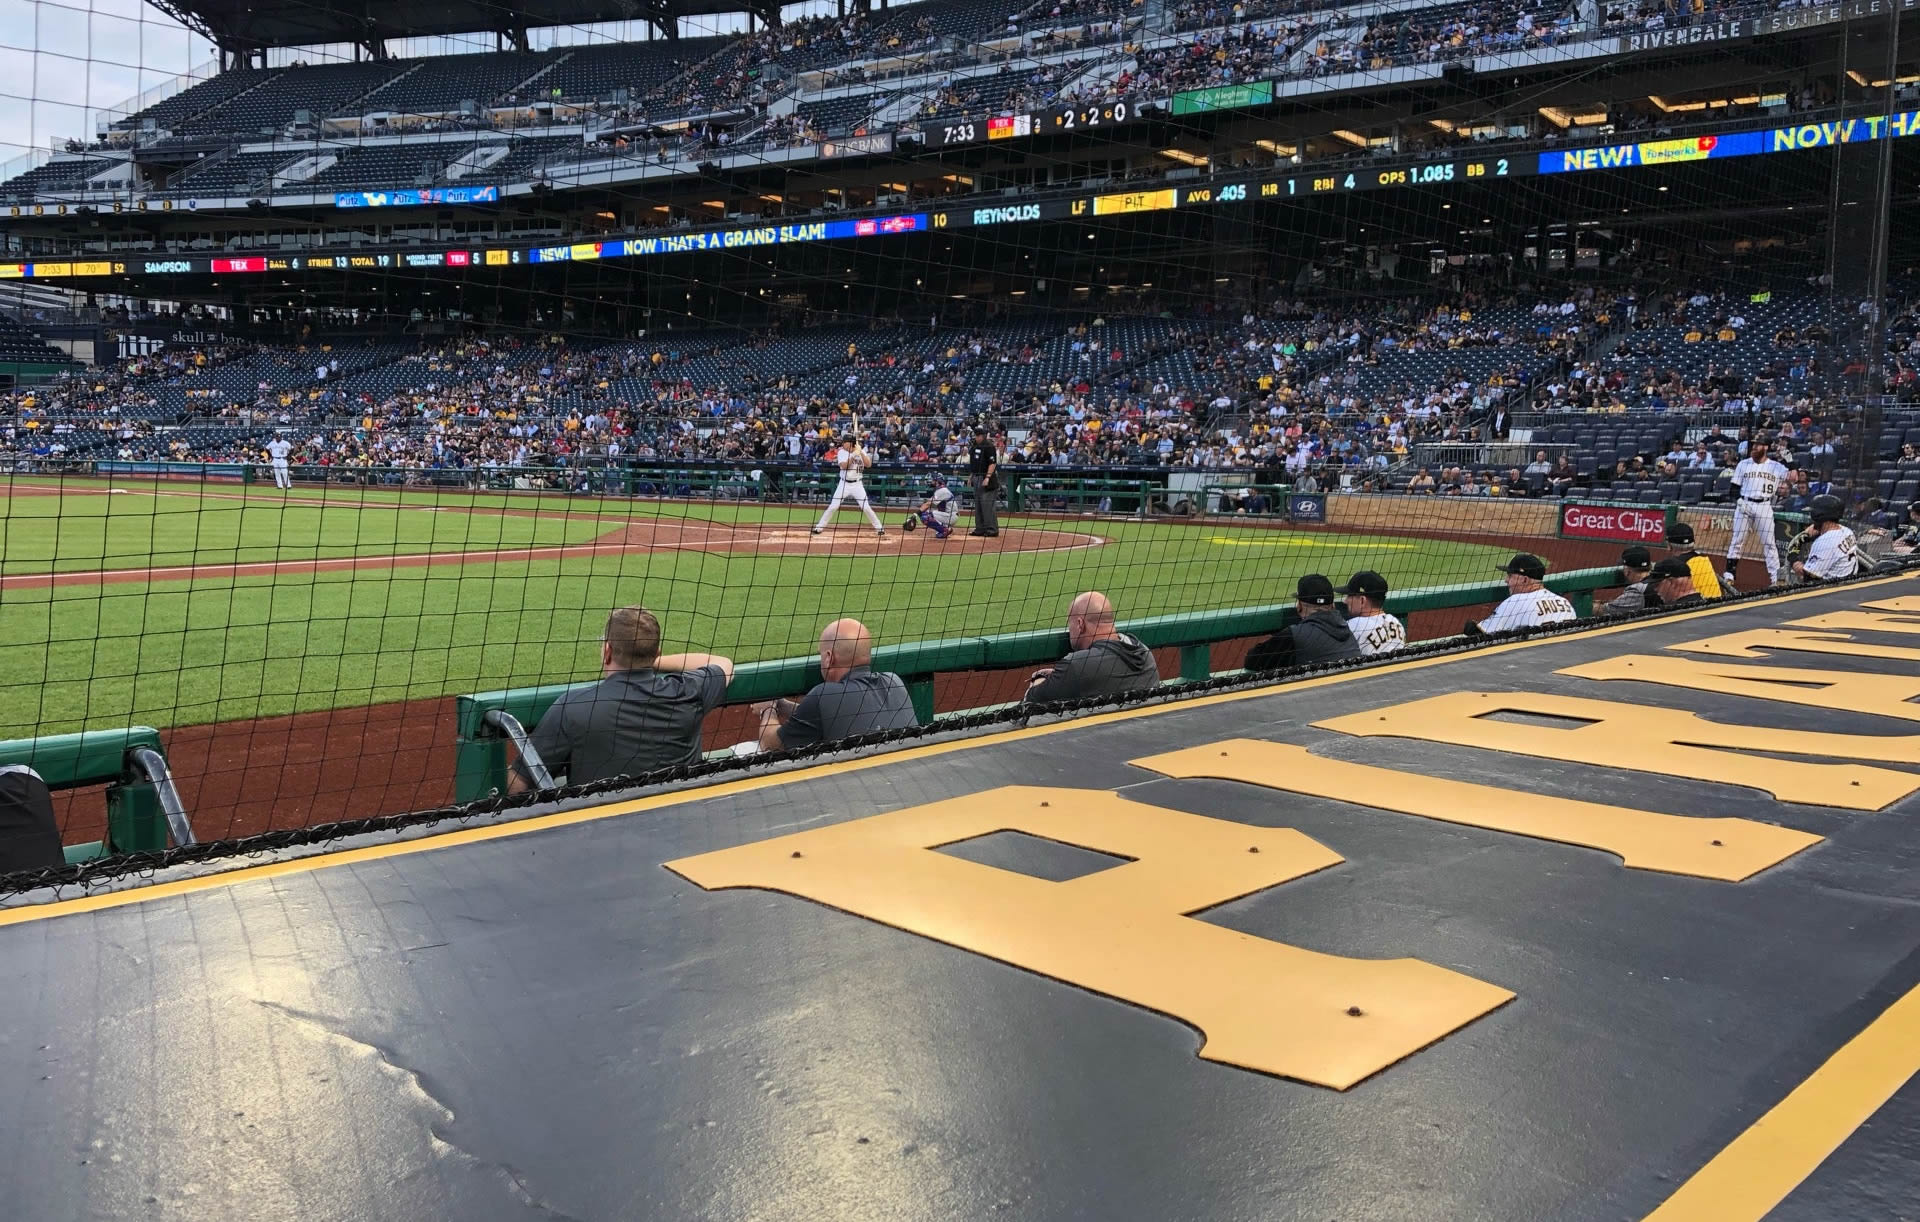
x: 1618, y: 523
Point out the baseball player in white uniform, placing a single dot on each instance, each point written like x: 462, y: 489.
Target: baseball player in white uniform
x: 1833, y: 554
x: 277, y: 450
x: 1528, y: 603
x: 1367, y: 618
x: 1757, y: 478
x: 852, y: 486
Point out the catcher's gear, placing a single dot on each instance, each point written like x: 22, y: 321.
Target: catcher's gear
x: 911, y: 524
x: 939, y: 481
x: 1825, y: 508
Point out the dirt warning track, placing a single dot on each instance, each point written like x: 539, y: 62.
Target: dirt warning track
x: 637, y: 538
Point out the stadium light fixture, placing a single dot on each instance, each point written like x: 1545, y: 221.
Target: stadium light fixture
x: 1278, y: 150
x: 1351, y: 137
x: 1184, y: 157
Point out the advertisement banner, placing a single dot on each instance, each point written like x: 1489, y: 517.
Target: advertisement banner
x: 1223, y: 97
x: 1614, y: 523
x: 1307, y: 507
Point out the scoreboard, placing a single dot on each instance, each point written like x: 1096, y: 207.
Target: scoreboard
x: 1223, y: 191
x: 1072, y: 118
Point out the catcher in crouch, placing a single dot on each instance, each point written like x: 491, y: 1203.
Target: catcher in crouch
x: 854, y: 462
x: 937, y: 511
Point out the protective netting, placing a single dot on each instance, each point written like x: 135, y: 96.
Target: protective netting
x: 347, y: 385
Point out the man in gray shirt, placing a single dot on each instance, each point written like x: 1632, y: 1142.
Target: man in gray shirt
x: 1104, y: 661
x: 854, y: 699
x: 643, y: 716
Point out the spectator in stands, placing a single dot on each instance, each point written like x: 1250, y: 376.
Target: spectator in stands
x: 1561, y: 481
x: 853, y: 699
x: 1104, y: 661
x: 643, y: 715
x: 1539, y: 466
x: 1635, y: 563
x: 29, y: 836
x: 1423, y: 484
x: 1319, y: 635
x: 1701, y: 459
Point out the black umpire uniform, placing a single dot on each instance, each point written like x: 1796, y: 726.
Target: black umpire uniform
x: 983, y: 476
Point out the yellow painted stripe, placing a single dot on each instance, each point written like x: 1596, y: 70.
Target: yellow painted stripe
x: 1746, y: 1180
x: 728, y: 789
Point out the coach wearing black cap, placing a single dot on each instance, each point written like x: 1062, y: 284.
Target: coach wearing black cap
x: 1321, y: 635
x: 1706, y: 576
x: 1367, y: 618
x: 1528, y: 603
x: 1671, y: 585
x: 1635, y: 562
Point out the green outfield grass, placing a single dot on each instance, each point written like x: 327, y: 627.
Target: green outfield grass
x: 171, y: 653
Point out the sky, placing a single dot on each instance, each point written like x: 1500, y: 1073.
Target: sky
x: 64, y: 62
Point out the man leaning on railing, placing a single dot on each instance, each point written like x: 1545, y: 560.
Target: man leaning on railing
x: 643, y: 715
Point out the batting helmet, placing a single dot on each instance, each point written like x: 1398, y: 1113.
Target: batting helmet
x: 1825, y: 508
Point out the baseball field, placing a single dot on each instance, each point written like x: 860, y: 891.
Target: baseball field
x: 183, y: 604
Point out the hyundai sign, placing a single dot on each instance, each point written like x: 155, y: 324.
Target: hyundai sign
x: 414, y: 199
x: 1307, y: 507
x: 1613, y: 523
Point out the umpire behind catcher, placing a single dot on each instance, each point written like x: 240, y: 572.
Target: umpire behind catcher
x: 983, y: 476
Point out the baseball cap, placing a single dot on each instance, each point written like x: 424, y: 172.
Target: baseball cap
x: 1315, y: 589
x: 1526, y: 565
x: 1636, y: 557
x: 1366, y: 582
x: 1679, y: 533
x: 1671, y: 566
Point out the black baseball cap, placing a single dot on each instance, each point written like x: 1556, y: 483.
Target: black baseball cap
x: 1526, y: 565
x: 1636, y: 557
x: 1316, y: 589
x: 1366, y: 582
x: 1671, y: 566
x: 1679, y: 533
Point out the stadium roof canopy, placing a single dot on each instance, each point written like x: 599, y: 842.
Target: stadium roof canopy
x: 241, y: 26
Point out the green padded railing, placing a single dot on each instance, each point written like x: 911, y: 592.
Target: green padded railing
x: 135, y: 820
x: 481, y: 752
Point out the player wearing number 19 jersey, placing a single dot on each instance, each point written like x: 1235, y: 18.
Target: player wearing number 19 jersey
x: 1757, y: 477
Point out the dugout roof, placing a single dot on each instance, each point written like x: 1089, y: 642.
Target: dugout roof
x: 1575, y: 1001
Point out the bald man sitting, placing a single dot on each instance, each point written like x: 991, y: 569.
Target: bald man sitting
x: 854, y: 700
x: 1104, y: 661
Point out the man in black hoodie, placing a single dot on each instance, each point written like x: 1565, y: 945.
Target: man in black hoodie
x: 1320, y: 636
x: 1104, y: 661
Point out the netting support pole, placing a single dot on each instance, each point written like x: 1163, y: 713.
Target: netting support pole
x: 510, y: 726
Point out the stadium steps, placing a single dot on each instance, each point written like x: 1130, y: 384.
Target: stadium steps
x: 358, y: 105
x: 547, y: 68
x: 198, y: 115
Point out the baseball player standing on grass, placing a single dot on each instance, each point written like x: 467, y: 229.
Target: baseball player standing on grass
x: 1832, y: 555
x: 1528, y: 603
x: 277, y: 450
x: 852, y: 486
x: 1757, y: 478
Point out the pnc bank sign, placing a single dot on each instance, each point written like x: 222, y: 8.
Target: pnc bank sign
x: 1618, y: 523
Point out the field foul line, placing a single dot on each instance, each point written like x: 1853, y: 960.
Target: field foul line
x: 1224, y: 541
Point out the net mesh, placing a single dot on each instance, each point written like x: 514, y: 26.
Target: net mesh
x: 345, y: 386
